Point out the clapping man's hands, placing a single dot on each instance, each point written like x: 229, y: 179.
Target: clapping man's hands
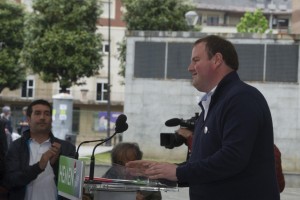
x: 51, y: 155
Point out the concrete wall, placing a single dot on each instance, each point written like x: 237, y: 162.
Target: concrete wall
x: 295, y: 17
x: 150, y: 102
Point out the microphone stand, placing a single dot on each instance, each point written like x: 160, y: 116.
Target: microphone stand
x: 92, y: 164
x: 84, y: 142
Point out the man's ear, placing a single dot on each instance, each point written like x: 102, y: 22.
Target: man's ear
x: 218, y: 59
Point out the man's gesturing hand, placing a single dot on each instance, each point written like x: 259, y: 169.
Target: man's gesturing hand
x: 51, y: 155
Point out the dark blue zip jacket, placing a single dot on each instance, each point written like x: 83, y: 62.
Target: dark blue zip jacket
x: 18, y: 172
x: 232, y: 154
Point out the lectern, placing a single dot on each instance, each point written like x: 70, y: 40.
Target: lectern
x: 116, y: 189
x: 73, y: 185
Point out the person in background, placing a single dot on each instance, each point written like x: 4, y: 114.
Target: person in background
x: 32, y: 160
x: 278, y: 167
x: 122, y: 153
x: 232, y: 152
x: 3, y: 149
x: 23, y: 124
x: 6, y: 117
x: 3, y: 136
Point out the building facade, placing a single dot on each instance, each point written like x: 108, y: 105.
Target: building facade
x: 91, y: 99
x: 222, y: 16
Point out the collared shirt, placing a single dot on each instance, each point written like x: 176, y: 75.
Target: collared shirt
x: 205, y: 101
x: 43, y: 187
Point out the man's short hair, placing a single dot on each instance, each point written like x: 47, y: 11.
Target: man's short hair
x: 216, y: 44
x: 36, y: 102
x: 6, y: 109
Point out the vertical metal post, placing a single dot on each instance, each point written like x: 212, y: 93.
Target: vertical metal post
x: 108, y: 143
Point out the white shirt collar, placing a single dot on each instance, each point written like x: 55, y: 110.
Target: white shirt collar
x: 205, y: 101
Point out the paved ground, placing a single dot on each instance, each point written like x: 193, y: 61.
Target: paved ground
x: 287, y: 194
x: 182, y: 194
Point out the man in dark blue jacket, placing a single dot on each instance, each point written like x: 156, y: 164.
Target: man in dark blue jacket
x: 32, y: 160
x: 232, y: 152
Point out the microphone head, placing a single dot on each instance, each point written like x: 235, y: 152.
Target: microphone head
x: 173, y: 122
x: 121, y: 128
x: 121, y: 124
x: 121, y: 119
x: 125, y: 127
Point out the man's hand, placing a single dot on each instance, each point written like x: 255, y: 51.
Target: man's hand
x: 55, y: 148
x: 152, y: 169
x: 184, y: 132
x: 188, y: 135
x: 162, y: 170
x: 51, y: 155
x: 138, y: 167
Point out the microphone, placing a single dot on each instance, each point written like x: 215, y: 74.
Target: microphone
x: 188, y: 123
x: 120, y: 127
x: 173, y: 122
x: 84, y: 142
x: 120, y: 123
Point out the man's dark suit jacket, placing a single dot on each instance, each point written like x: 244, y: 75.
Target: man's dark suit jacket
x: 232, y: 153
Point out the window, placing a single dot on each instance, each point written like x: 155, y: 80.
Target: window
x: 105, y: 47
x: 102, y: 92
x: 212, y: 20
x: 105, y: 8
x: 282, y: 23
x: 150, y: 59
x: 27, y: 90
x: 267, y: 62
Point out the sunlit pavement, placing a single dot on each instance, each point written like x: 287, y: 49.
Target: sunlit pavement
x: 183, y: 194
x: 85, y: 151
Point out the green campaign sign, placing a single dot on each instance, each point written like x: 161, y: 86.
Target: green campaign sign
x: 70, y: 178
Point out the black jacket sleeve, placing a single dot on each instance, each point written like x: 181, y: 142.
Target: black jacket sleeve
x: 18, y: 174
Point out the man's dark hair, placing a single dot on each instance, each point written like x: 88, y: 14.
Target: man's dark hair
x: 215, y: 44
x: 36, y: 102
x: 121, y: 152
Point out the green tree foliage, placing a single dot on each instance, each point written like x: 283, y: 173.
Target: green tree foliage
x: 11, y: 44
x: 164, y: 15
x: 122, y: 57
x: 154, y: 15
x: 61, y: 41
x: 254, y: 22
